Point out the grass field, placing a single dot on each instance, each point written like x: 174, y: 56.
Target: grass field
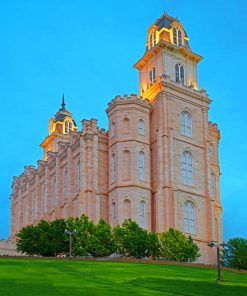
x: 24, y: 277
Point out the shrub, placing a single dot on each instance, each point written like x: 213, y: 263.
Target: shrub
x: 175, y: 246
x: 235, y: 253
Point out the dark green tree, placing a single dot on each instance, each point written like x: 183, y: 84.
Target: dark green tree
x: 101, y: 241
x: 234, y: 254
x: 175, y: 246
x: 133, y: 241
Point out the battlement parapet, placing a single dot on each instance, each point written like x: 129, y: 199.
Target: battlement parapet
x: 125, y: 99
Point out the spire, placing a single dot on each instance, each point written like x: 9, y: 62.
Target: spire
x: 63, y: 103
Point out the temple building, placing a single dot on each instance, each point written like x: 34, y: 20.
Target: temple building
x: 157, y: 163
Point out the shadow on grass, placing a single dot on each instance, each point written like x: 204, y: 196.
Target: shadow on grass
x: 189, y: 287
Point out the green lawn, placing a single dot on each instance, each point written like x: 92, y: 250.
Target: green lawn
x: 24, y: 277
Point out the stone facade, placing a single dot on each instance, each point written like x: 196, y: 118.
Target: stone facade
x: 157, y: 164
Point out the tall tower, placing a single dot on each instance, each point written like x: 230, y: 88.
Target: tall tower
x: 59, y: 129
x: 185, y: 171
x: 129, y: 160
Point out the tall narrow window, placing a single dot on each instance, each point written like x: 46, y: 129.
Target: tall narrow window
x: 152, y: 75
x: 114, y: 213
x: 66, y: 127
x: 175, y: 38
x: 142, y: 211
x: 25, y: 210
x: 179, y: 73
x: 212, y: 185
x: 211, y: 151
x: 126, y: 125
x: 141, y: 127
x: 113, y: 167
x: 141, y: 168
x: 70, y: 126
x: 126, y: 165
x: 187, y: 168
x: 179, y: 37
x: 44, y: 198
x: 54, y: 191
x: 17, y: 216
x: 186, y: 124
x: 113, y: 129
x: 78, y: 175
x: 127, y: 209
x: 189, y: 217
x: 65, y: 184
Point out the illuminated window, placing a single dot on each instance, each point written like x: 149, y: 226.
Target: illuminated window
x: 212, y: 185
x: 152, y: 75
x: 179, y: 72
x: 141, y: 127
x: 187, y: 168
x: 189, y: 217
x: 67, y: 127
x: 211, y: 151
x: 141, y: 164
x: 177, y: 37
x: 142, y: 212
x: 152, y: 39
x: 186, y: 124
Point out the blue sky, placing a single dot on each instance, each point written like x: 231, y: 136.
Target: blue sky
x: 86, y: 50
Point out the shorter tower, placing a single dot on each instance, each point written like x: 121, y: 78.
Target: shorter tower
x: 59, y: 128
x: 129, y: 160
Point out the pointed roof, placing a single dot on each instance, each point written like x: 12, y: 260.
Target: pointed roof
x: 62, y: 112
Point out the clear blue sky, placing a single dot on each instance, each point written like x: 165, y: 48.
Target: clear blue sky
x: 86, y: 49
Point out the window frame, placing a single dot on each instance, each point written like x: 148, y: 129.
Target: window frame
x: 189, y: 217
x: 186, y: 124
x: 187, y: 168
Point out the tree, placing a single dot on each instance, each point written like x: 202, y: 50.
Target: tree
x: 131, y: 240
x: 45, y: 239
x: 101, y: 242
x: 235, y: 253
x: 175, y: 246
x: 85, y: 229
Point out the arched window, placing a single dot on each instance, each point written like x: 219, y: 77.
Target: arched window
x: 141, y: 168
x: 189, y: 217
x: 179, y: 72
x: 54, y: 189
x: 141, y: 127
x: 66, y: 127
x: 70, y: 126
x: 78, y: 175
x: 126, y: 125
x: 113, y: 167
x: 186, y: 124
x: 187, y: 168
x: 152, y: 75
x: 127, y: 209
x: 177, y: 37
x: 142, y: 213
x: 211, y: 151
x: 212, y: 185
x: 113, y: 129
x: 126, y: 165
